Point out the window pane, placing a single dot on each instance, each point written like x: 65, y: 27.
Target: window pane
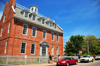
x: 57, y: 50
x: 57, y: 37
x: 6, y: 46
x: 55, y: 25
x: 34, y: 32
x: 26, y: 14
x: 44, y: 34
x: 23, y: 48
x: 52, y: 50
x: 32, y: 48
x: 9, y: 27
x: 52, y: 36
x: 42, y: 21
x: 33, y: 17
x: 1, y: 31
x: 25, y: 29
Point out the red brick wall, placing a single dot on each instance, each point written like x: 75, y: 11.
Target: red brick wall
x: 15, y: 36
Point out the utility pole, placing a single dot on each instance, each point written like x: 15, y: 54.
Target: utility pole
x: 88, y: 47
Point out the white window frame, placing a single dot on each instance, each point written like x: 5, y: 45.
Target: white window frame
x: 9, y: 27
x: 6, y: 46
x: 52, y: 36
x: 52, y: 50
x: 27, y: 29
x: 21, y: 47
x: 57, y: 50
x: 1, y: 31
x: 35, y: 17
x: 35, y: 31
x: 45, y: 34
x: 58, y: 37
x: 4, y: 18
x: 34, y: 48
x: 25, y: 13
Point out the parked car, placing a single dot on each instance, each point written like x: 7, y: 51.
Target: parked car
x: 97, y: 57
x: 67, y: 61
x: 86, y: 58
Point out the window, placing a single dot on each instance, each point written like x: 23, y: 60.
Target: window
x: 55, y: 25
x: 6, y: 46
x: 52, y: 36
x: 43, y: 21
x: 57, y: 50
x: 4, y: 18
x: 52, y: 50
x: 9, y: 27
x: 25, y: 28
x: 34, y: 32
x: 1, y: 31
x: 26, y: 14
x: 44, y: 34
x: 35, y: 10
x: 32, y: 48
x: 33, y: 18
x: 23, y: 47
x: 57, y: 37
x: 50, y: 24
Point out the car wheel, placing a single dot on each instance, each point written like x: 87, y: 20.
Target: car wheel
x: 76, y: 63
x: 67, y: 64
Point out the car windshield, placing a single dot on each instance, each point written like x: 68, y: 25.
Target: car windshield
x: 65, y: 58
x: 86, y: 56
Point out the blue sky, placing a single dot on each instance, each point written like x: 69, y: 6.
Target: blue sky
x: 73, y: 16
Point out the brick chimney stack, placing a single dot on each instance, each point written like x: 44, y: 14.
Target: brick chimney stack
x: 48, y: 18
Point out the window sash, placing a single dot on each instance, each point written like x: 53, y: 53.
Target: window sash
x: 57, y: 50
x: 23, y: 47
x: 52, y: 50
x: 32, y: 48
x: 33, y: 18
x: 25, y: 27
x: 1, y: 31
x: 34, y: 32
x: 42, y: 21
x: 52, y: 36
x: 57, y: 37
x: 6, y: 46
x: 44, y: 34
x: 4, y: 18
x: 26, y: 14
x: 9, y: 27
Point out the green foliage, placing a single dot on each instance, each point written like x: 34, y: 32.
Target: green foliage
x: 70, y: 54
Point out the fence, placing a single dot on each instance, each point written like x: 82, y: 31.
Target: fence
x: 8, y: 60
x: 11, y: 60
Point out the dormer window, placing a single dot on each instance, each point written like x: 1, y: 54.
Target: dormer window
x: 33, y: 9
x: 26, y: 14
x: 55, y: 25
x: 33, y: 18
x: 43, y: 21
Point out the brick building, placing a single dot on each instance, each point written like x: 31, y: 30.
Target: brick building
x: 24, y: 31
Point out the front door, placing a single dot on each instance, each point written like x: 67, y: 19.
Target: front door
x: 43, y: 51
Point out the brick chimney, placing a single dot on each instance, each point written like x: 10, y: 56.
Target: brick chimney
x: 48, y: 18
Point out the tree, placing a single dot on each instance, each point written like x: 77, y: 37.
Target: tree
x: 93, y: 44
x: 75, y: 44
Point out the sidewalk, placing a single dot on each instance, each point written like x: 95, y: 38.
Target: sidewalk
x: 42, y: 64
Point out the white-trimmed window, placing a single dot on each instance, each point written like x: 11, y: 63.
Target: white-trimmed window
x: 52, y: 50
x: 44, y: 34
x: 9, y: 27
x: 34, y: 31
x: 52, y: 36
x: 43, y: 21
x: 6, y: 46
x: 33, y: 17
x: 32, y: 48
x: 1, y: 31
x: 57, y: 37
x: 4, y: 18
x: 55, y: 25
x: 50, y: 24
x: 57, y: 50
x: 25, y: 29
x: 26, y: 14
x: 23, y: 48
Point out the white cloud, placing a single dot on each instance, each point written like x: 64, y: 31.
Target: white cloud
x: 1, y: 14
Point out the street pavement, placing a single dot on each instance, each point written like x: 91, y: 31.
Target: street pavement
x: 95, y: 63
